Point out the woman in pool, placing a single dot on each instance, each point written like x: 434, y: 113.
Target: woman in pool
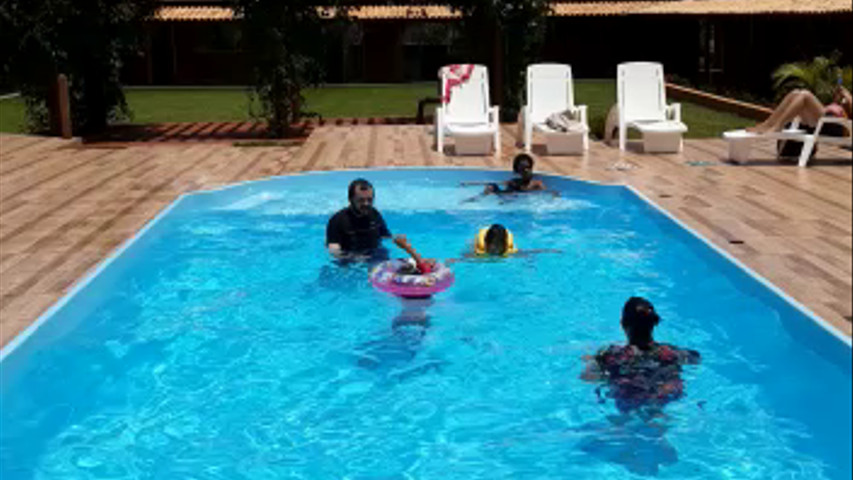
x: 643, y: 373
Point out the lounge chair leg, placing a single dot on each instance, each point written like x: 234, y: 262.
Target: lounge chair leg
x: 739, y: 150
x: 806, y: 152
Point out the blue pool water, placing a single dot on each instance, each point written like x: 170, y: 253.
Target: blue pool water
x: 223, y: 344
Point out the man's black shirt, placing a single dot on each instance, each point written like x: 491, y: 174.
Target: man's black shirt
x: 356, y: 233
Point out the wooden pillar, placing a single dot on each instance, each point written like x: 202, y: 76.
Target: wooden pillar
x: 60, y: 108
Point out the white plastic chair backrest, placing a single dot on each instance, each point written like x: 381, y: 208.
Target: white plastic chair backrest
x: 469, y: 102
x: 549, y: 90
x: 641, y: 91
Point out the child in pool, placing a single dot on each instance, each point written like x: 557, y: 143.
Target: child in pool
x: 522, y: 166
x: 497, y: 241
x: 420, y: 265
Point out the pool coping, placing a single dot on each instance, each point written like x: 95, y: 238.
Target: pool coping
x: 19, y: 339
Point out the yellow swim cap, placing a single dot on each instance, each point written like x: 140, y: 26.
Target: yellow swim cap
x: 480, y: 242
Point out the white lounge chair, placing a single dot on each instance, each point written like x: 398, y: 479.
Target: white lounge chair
x: 550, y: 90
x: 641, y: 95
x: 741, y: 141
x: 467, y: 116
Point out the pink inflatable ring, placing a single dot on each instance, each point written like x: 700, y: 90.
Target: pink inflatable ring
x: 385, y: 277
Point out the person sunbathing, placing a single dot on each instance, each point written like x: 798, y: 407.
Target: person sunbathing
x: 804, y: 104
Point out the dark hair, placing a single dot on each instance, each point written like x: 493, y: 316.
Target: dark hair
x: 639, y: 320
x: 521, y: 157
x: 358, y: 184
x: 496, y: 235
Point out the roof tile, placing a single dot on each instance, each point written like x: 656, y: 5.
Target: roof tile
x: 560, y: 9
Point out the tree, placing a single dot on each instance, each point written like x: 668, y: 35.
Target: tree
x: 287, y: 43
x: 507, y: 35
x: 84, y: 39
x: 820, y: 76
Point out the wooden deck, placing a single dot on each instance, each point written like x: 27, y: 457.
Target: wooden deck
x: 64, y: 206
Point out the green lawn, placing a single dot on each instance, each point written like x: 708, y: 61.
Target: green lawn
x: 703, y: 122
x: 12, y: 117
x: 210, y: 105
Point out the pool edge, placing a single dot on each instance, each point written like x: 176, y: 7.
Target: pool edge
x: 22, y: 336
x: 749, y: 271
x: 84, y: 281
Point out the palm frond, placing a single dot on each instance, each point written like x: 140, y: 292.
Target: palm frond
x: 818, y: 76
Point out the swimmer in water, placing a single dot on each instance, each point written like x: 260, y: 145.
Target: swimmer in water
x: 497, y: 241
x: 523, y: 182
x: 644, y: 372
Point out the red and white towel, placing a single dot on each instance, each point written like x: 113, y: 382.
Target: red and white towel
x: 456, y: 75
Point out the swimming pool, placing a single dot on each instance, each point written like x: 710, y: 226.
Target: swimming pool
x: 223, y: 344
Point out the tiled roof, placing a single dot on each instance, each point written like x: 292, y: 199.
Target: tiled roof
x: 560, y: 9
x: 736, y: 7
x: 597, y: 9
x: 437, y: 12
x: 193, y: 14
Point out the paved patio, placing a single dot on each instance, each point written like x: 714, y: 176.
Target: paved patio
x: 64, y: 206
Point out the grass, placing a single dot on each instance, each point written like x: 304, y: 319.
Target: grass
x: 703, y: 122
x: 12, y: 116
x: 212, y: 105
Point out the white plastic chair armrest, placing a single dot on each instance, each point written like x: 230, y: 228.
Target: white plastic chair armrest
x: 835, y: 120
x: 495, y: 121
x: 526, y: 127
x: 838, y: 120
x: 582, y: 110
x: 494, y: 115
x: 673, y: 112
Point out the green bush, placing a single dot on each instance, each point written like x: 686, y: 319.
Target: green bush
x: 286, y: 41
x: 85, y: 40
x: 820, y: 76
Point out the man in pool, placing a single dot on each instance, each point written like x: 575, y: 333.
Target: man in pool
x: 643, y: 373
x: 357, y: 230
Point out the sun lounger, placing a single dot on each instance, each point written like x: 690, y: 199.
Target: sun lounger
x: 550, y: 90
x: 741, y: 141
x: 465, y: 113
x: 641, y: 96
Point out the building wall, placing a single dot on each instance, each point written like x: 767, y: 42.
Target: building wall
x: 745, y: 49
x: 595, y: 45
